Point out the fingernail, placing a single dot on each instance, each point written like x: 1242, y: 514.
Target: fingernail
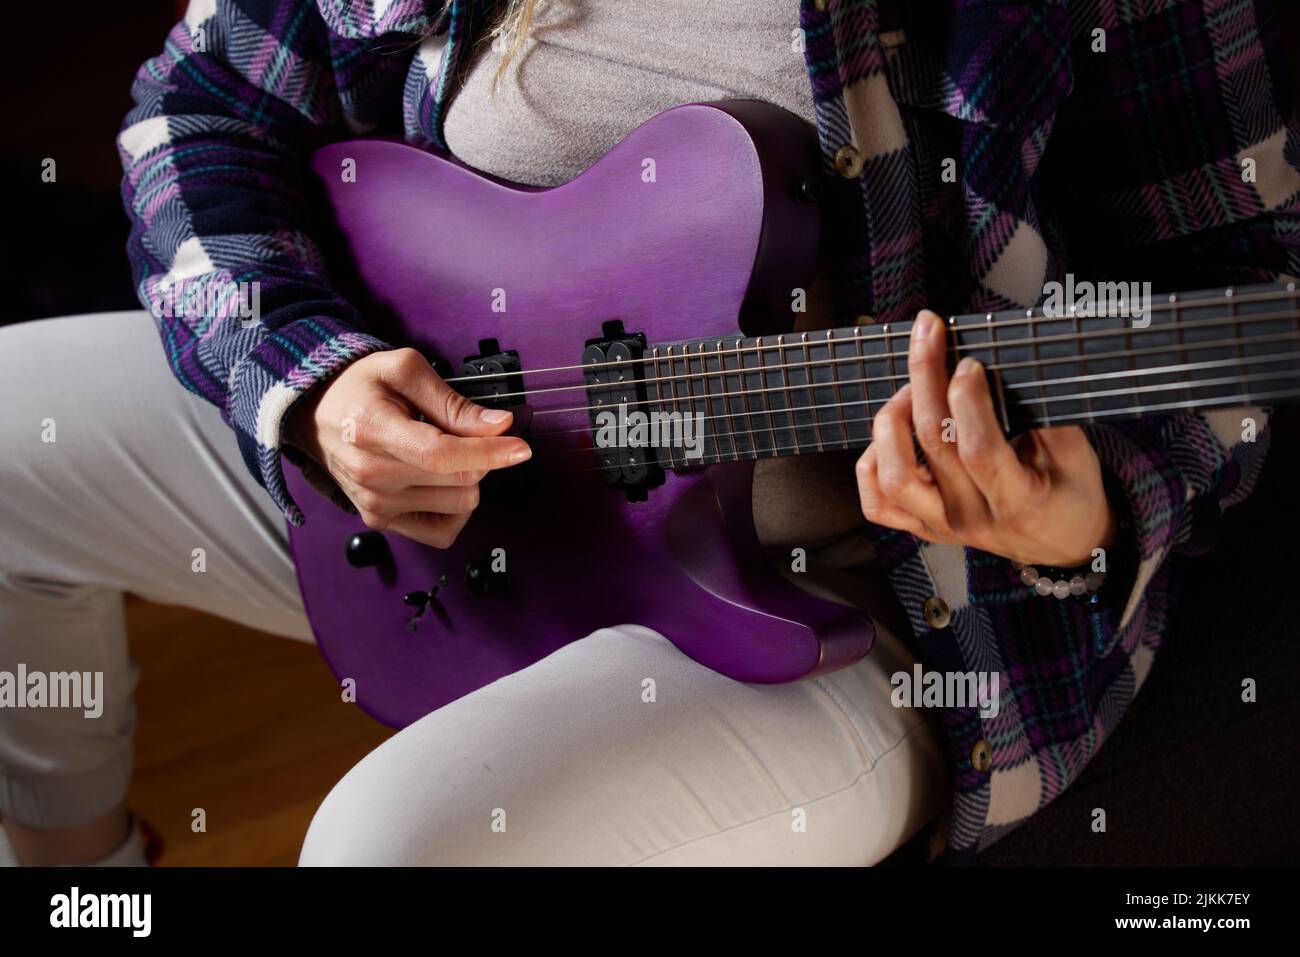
x: 967, y: 366
x: 493, y: 416
x: 520, y: 455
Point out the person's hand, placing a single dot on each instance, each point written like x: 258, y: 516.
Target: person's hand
x: 1039, y: 499
x: 418, y: 479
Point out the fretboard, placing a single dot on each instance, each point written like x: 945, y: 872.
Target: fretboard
x: 759, y: 397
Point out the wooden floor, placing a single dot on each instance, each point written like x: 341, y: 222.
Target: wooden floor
x: 249, y: 727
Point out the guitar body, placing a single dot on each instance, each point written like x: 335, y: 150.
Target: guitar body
x: 692, y: 227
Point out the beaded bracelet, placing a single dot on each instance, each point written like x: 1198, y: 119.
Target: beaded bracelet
x: 1078, y: 583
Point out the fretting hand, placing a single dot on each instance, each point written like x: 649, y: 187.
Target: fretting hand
x: 1037, y: 499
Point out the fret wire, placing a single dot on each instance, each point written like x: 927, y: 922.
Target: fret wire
x: 745, y: 414
x: 862, y: 366
x: 709, y: 410
x: 659, y: 401
x: 767, y: 403
x: 672, y: 408
x: 727, y: 397
x: 690, y: 399
x: 690, y: 405
x: 749, y: 414
x: 789, y: 398
x: 674, y: 398
x: 835, y: 381
x: 812, y: 394
x: 707, y: 399
x: 726, y: 400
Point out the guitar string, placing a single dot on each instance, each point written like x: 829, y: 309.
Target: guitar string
x: 676, y: 400
x: 851, y: 444
x: 952, y: 349
x: 1174, y: 304
x: 867, y: 401
x: 780, y: 347
x: 792, y: 427
x: 1090, y: 377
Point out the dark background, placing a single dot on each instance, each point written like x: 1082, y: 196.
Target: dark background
x: 1192, y: 775
x: 66, y: 70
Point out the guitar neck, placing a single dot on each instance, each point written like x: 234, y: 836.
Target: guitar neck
x: 759, y: 397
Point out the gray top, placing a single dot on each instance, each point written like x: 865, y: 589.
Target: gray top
x: 591, y: 71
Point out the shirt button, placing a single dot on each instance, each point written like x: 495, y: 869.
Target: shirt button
x: 981, y: 756
x: 821, y: 5
x: 848, y: 161
x: 936, y: 611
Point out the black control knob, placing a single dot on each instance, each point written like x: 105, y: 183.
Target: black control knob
x: 367, y: 549
x: 481, y: 580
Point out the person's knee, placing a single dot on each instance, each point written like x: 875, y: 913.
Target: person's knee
x: 390, y: 811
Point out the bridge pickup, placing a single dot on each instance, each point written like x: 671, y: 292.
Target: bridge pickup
x: 616, y: 405
x: 493, y: 378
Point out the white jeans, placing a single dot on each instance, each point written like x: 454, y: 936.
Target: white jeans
x: 563, y: 762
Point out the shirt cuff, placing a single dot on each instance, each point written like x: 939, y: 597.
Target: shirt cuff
x: 266, y: 383
x: 1146, y: 484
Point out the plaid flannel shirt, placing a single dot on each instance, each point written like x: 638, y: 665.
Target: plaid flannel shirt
x: 1149, y: 111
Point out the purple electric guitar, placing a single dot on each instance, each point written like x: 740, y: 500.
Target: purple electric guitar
x: 637, y: 321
